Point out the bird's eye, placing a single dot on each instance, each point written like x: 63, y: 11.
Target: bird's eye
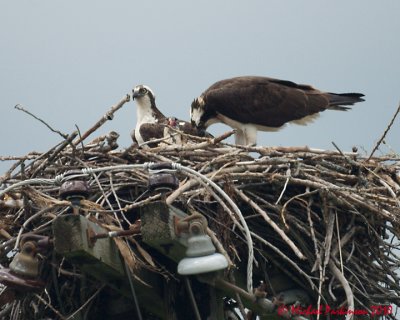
x: 143, y: 90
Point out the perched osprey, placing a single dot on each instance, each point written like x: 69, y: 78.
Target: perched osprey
x: 252, y: 103
x: 152, y: 124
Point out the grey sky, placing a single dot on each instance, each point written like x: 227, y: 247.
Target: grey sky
x: 69, y: 61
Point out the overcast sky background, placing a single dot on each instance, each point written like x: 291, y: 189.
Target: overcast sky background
x: 68, y: 62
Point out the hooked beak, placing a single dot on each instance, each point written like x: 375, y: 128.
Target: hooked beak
x: 135, y: 94
x: 200, y: 125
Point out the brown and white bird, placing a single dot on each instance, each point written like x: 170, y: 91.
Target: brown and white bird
x: 252, y: 103
x: 152, y: 124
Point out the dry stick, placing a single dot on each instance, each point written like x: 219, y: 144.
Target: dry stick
x: 288, y: 175
x: 42, y: 156
x: 273, y: 151
x: 141, y: 203
x: 306, y: 149
x: 219, y: 246
x: 287, y: 259
x: 339, y: 245
x: 222, y: 204
x: 177, y: 132
x: 86, y: 302
x: 163, y: 139
x: 272, y: 224
x: 47, y: 304
x: 345, y: 239
x: 316, y: 250
x: 108, y: 116
x: 386, y: 185
x: 6, y: 311
x: 283, y: 210
x: 351, y: 162
x: 345, y: 284
x: 62, y: 146
x: 201, y: 145
x: 21, y: 108
x: 7, y: 175
x: 341, y: 191
x: 182, y: 188
x: 328, y: 236
x: 29, y: 156
x: 384, y: 134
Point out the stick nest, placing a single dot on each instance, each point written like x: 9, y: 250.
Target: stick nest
x: 314, y: 215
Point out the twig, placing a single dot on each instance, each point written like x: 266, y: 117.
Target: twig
x: 50, y: 306
x: 108, y: 116
x: 192, y: 298
x: 346, y: 287
x: 339, y: 245
x: 351, y: 162
x: 30, y: 156
x: 21, y: 108
x: 384, y: 134
x: 86, y: 303
x: 201, y: 145
x: 274, y: 226
x: 51, y: 157
x: 329, y: 235
x: 287, y: 259
x: 288, y: 175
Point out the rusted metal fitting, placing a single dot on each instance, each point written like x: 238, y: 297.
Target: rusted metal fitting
x: 194, y: 224
x: 26, y: 263
x: 92, y: 236
x: 23, y: 272
x: 181, y: 226
x: 197, y: 227
x: 42, y: 243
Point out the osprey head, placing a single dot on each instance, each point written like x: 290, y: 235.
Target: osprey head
x: 197, y: 112
x: 144, y: 95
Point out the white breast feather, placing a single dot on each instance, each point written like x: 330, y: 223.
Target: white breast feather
x: 144, y: 114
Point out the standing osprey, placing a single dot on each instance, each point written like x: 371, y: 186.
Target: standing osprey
x: 252, y: 103
x: 152, y: 124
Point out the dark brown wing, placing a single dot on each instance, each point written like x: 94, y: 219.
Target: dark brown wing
x: 264, y: 101
x: 151, y: 131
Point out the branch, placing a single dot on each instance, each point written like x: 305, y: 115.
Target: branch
x: 345, y: 284
x: 274, y: 226
x: 108, y: 116
x: 385, y: 133
x: 21, y: 108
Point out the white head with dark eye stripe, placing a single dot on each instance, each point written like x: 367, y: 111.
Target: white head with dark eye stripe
x: 200, y: 115
x: 144, y: 96
x: 197, y: 113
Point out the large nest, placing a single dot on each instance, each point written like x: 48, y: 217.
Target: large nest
x: 327, y: 221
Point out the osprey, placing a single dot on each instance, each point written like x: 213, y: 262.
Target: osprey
x: 252, y: 103
x: 152, y: 124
